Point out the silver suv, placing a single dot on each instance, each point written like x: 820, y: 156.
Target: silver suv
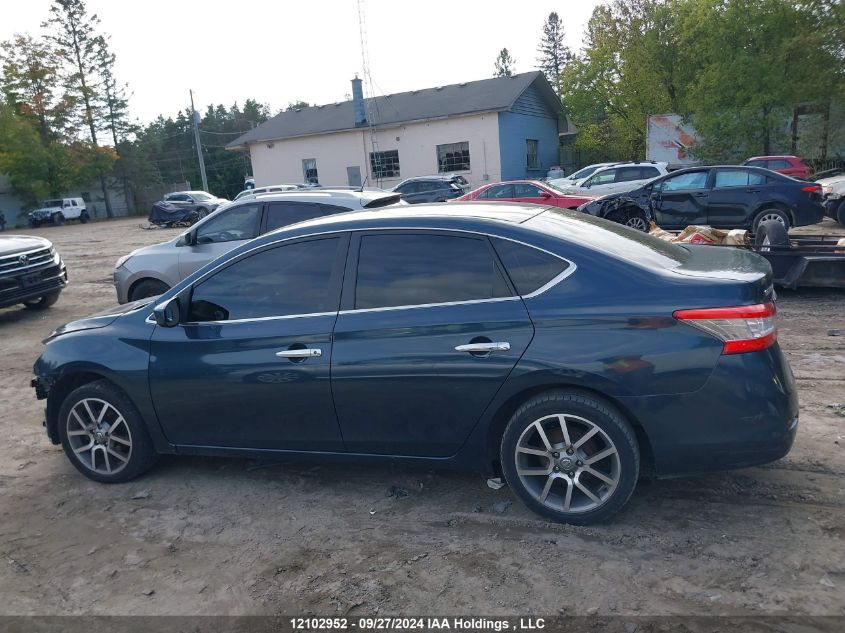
x: 152, y: 270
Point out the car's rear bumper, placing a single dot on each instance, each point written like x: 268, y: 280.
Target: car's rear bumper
x: 831, y: 206
x: 746, y: 414
x: 807, y: 213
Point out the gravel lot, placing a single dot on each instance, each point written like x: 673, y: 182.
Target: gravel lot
x: 224, y: 536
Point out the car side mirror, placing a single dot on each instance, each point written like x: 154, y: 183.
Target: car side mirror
x: 168, y: 313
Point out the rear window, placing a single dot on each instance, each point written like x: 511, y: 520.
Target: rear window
x: 529, y: 268
x: 650, y: 172
x: 610, y: 238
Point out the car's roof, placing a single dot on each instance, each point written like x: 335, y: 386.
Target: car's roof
x: 775, y: 156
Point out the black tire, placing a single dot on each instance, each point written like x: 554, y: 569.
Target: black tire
x: 771, y: 232
x: 840, y: 213
x: 201, y: 213
x: 58, y: 219
x: 42, y: 303
x: 582, y: 412
x: 768, y: 215
x: 83, y: 217
x: 148, y: 288
x: 34, y: 224
x: 632, y: 218
x: 139, y: 456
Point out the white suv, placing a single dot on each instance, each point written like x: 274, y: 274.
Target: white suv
x: 618, y: 178
x: 59, y: 210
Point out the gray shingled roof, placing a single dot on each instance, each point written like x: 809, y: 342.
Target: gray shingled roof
x: 486, y: 95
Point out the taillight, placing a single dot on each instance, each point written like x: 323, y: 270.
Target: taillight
x: 811, y: 188
x: 740, y: 328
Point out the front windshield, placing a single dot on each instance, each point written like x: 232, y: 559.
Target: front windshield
x: 556, y: 187
x: 583, y: 173
x: 52, y: 203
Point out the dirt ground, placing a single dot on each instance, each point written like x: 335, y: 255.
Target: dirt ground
x: 225, y: 536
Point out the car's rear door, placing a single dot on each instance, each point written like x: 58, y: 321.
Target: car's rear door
x: 249, y: 365
x: 428, y: 331
x: 681, y: 199
x: 733, y: 197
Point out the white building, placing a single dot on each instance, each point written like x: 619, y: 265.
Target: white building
x: 494, y: 129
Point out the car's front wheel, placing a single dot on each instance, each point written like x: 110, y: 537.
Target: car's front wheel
x: 44, y: 302
x: 103, y: 434
x: 148, y: 288
x: 633, y: 218
x: 570, y: 457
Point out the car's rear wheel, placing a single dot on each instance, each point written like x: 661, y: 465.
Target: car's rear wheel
x: 840, y: 213
x: 771, y: 233
x: 103, y: 434
x: 570, y: 457
x: 83, y: 217
x: 770, y: 215
x: 58, y: 219
x: 42, y: 303
x: 148, y: 288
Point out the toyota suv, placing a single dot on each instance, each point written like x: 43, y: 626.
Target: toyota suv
x: 152, y: 270
x: 31, y: 272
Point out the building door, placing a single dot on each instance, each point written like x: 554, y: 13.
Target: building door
x: 353, y: 176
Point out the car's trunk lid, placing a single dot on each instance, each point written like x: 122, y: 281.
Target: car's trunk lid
x: 749, y: 273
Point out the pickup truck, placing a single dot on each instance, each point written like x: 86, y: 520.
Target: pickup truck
x: 31, y: 272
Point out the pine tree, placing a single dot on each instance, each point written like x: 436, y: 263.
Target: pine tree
x: 504, y: 64
x: 72, y: 32
x: 554, y: 54
x: 114, y: 101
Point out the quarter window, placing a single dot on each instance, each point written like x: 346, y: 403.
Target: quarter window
x: 237, y: 223
x: 414, y: 269
x: 282, y: 281
x: 528, y: 268
x: 627, y: 174
x: 533, y: 153
x: 453, y: 157
x: 385, y: 164
x: 650, y: 172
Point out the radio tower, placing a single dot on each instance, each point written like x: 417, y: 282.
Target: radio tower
x: 370, y: 106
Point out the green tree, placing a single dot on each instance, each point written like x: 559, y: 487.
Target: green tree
x: 554, y: 55
x: 296, y: 105
x: 504, y: 64
x: 72, y: 31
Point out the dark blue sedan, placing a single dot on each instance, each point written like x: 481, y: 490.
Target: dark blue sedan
x: 564, y: 352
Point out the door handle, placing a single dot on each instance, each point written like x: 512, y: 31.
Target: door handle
x: 304, y: 352
x: 483, y: 348
x: 701, y: 194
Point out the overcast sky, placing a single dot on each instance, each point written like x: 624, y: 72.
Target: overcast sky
x: 278, y: 51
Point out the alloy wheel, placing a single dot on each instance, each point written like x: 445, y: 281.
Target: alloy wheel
x: 772, y: 216
x: 99, y: 436
x: 567, y: 463
x: 637, y: 222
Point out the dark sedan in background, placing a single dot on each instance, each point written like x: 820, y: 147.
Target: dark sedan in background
x: 564, y: 352
x: 431, y: 188
x: 730, y: 197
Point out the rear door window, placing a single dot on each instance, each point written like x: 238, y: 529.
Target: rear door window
x: 779, y: 164
x: 281, y: 214
x: 529, y: 268
x: 737, y: 178
x: 408, y: 269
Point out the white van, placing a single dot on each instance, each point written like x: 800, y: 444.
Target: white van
x: 58, y: 210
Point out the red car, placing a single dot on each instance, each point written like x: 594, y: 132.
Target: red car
x: 786, y: 165
x: 526, y: 191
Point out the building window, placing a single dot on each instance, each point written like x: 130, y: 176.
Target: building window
x: 532, y: 154
x: 385, y: 164
x: 453, y: 157
x: 309, y: 170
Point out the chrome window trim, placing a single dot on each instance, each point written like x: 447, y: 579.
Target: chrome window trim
x: 547, y: 286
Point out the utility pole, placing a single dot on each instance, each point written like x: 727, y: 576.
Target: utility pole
x: 195, y: 117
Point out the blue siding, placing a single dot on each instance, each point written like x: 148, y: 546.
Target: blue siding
x: 529, y: 118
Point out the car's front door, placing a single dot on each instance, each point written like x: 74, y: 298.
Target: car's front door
x: 219, y: 234
x: 600, y: 183
x: 526, y: 192
x: 249, y: 366
x: 733, y: 197
x: 428, y: 331
x: 680, y: 200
